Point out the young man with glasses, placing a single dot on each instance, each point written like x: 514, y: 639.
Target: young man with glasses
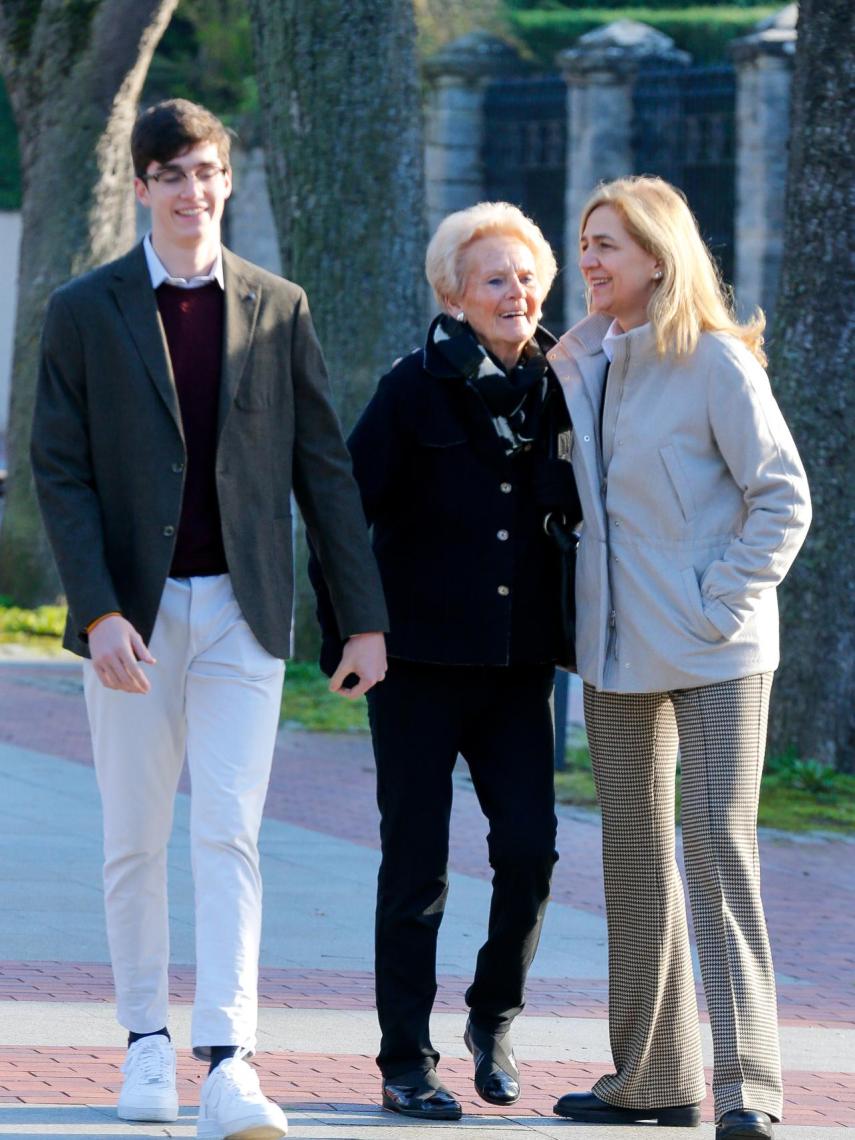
x: 182, y: 397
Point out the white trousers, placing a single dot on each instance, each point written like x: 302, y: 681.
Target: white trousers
x: 215, y: 695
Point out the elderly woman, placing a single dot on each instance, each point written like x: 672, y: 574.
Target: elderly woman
x: 456, y: 457
x: 695, y: 505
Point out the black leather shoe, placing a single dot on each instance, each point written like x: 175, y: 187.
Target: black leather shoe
x: 422, y: 1094
x: 744, y: 1124
x: 496, y: 1072
x: 588, y: 1108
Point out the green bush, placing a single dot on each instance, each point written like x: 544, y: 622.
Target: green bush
x: 704, y: 32
x: 44, y: 621
x: 576, y: 5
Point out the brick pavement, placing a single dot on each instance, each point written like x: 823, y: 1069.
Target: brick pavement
x: 348, y: 1082
x: 326, y: 785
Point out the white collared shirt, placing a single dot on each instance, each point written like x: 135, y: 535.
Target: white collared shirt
x: 613, y: 334
x: 160, y: 274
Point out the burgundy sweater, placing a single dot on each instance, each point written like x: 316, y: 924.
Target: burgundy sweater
x: 193, y: 320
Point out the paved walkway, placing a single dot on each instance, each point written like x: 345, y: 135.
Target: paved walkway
x: 60, y: 1048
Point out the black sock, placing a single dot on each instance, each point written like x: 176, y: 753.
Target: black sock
x: 221, y: 1053
x: 134, y: 1037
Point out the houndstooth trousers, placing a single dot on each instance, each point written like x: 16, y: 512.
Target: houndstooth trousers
x: 653, y: 1018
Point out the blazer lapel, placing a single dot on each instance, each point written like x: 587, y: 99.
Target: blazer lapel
x: 137, y: 303
x: 242, y: 301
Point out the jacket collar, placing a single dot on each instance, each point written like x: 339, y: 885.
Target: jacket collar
x: 131, y: 285
x: 242, y: 302
x: 640, y: 344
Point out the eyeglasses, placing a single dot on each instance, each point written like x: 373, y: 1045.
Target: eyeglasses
x: 174, y: 177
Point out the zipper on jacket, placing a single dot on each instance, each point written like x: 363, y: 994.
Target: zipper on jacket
x: 611, y: 647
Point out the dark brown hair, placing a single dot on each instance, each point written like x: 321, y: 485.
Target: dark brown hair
x: 173, y: 127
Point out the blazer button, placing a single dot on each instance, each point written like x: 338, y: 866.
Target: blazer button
x: 177, y: 468
x: 504, y: 591
x: 505, y: 488
x: 168, y: 531
x: 502, y: 535
x: 586, y: 438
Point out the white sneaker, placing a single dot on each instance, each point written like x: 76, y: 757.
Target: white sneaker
x: 148, y: 1091
x: 233, y: 1107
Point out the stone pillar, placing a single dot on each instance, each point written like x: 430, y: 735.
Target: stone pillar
x: 764, y: 63
x: 457, y: 78
x: 600, y: 71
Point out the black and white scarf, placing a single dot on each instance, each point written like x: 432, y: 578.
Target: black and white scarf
x: 513, y: 398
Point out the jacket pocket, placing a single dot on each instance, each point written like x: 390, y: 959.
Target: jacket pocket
x: 259, y: 391
x: 701, y: 624
x: 440, y: 435
x: 679, y: 482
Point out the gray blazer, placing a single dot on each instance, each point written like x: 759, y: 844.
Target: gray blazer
x: 695, y: 507
x: 108, y: 454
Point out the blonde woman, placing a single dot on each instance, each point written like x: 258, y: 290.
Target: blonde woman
x: 695, y: 505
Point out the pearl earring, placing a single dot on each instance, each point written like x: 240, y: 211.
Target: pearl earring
x: 657, y: 276
x: 461, y: 316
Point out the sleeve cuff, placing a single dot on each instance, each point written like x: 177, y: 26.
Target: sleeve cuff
x: 98, y: 620
x: 724, y: 619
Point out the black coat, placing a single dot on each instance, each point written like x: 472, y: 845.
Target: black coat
x: 470, y: 576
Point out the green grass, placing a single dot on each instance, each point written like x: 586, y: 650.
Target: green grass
x: 575, y: 784
x: 307, y: 702
x: 795, y: 795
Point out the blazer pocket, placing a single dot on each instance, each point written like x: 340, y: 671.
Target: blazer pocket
x: 256, y: 393
x: 701, y: 624
x: 679, y: 482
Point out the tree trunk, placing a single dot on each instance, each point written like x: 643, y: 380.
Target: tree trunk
x: 811, y: 366
x: 340, y: 98
x: 74, y: 74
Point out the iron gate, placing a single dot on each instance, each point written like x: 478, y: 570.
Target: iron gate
x: 524, y: 159
x: 684, y: 131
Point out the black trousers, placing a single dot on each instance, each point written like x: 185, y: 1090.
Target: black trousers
x: 500, y: 721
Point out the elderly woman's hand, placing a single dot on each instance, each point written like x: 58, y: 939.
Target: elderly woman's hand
x: 363, y: 656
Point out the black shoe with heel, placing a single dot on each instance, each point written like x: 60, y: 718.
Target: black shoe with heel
x: 496, y: 1073
x: 420, y: 1093
x: 588, y: 1108
x: 744, y: 1124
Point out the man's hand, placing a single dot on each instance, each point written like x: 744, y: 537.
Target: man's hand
x: 365, y: 655
x: 116, y: 647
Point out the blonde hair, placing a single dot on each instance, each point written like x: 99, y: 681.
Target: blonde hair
x: 691, y: 297
x: 456, y: 232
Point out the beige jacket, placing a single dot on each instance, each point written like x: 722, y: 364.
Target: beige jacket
x: 694, y: 508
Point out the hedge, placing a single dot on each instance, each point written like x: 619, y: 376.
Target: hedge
x: 704, y: 32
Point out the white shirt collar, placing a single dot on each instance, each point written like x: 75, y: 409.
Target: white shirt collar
x: 613, y: 335
x: 160, y: 274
